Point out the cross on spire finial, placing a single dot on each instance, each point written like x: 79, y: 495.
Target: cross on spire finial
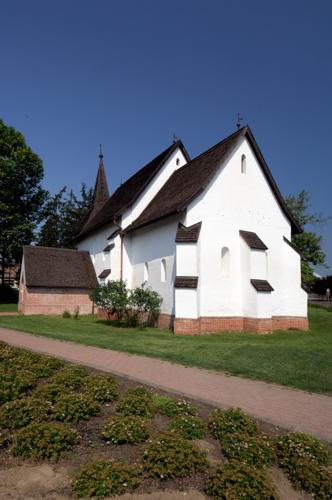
x: 239, y: 120
x: 101, y: 151
x: 175, y: 139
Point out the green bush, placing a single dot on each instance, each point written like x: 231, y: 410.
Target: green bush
x: 74, y: 407
x: 125, y: 429
x: 142, y: 301
x: 235, y: 480
x: 188, y: 426
x: 139, y: 391
x: 311, y: 477
x: 173, y: 407
x: 231, y: 421
x: 47, y: 441
x: 296, y: 445
x: 113, y: 297
x: 253, y: 450
x: 66, y: 314
x: 21, y: 412
x: 169, y: 455
x: 11, y: 385
x: 136, y: 402
x: 102, y: 388
x: 50, y: 391
x: 103, y: 478
x: 71, y: 376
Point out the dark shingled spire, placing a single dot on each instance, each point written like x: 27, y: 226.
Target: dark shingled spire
x: 101, y: 193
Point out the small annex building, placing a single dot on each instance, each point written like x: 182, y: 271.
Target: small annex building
x: 54, y: 280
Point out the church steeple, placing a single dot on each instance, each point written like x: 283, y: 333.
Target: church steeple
x: 101, y: 193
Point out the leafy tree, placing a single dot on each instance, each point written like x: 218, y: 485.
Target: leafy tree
x: 64, y: 214
x: 21, y: 195
x: 308, y: 243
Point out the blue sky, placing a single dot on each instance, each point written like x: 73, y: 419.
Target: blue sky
x: 128, y: 74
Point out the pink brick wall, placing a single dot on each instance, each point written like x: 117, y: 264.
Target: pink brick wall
x: 54, y: 300
x: 183, y: 326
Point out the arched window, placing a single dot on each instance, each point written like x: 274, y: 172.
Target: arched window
x: 178, y: 161
x: 243, y: 164
x: 146, y: 271
x: 225, y: 261
x: 163, y: 270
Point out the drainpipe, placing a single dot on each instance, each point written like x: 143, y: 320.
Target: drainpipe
x: 121, y: 248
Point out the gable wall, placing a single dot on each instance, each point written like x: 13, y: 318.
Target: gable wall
x: 155, y: 185
x: 235, y: 201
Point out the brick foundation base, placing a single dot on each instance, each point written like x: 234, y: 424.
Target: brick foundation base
x: 187, y: 326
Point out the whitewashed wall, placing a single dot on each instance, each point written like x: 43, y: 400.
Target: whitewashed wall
x: 95, y: 244
x: 235, y: 201
x: 151, y: 245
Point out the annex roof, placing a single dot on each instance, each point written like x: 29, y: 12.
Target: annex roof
x: 58, y: 268
x: 186, y: 183
x: 129, y: 191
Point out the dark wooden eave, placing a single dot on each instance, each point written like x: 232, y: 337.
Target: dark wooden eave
x: 188, y: 234
x: 262, y: 285
x: 104, y: 274
x: 291, y: 245
x: 253, y: 240
x: 186, y: 282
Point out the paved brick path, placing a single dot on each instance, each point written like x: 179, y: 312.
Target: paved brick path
x: 280, y: 406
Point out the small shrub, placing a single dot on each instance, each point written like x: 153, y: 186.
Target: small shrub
x: 74, y: 407
x: 296, y: 445
x: 173, y: 407
x: 169, y: 455
x: 139, y: 391
x: 11, y: 386
x: 102, y: 388
x: 66, y: 314
x: 71, y: 376
x: 135, y: 404
x: 188, y: 426
x: 50, y: 391
x: 105, y: 478
x: 125, y: 429
x: 113, y: 297
x: 310, y: 477
x: 44, y: 441
x: 76, y: 314
x: 231, y: 421
x: 235, y: 480
x: 21, y: 412
x: 253, y: 450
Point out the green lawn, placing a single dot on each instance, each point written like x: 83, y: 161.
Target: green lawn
x: 292, y: 358
x: 8, y: 307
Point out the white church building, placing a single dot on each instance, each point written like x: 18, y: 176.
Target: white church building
x: 211, y: 235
